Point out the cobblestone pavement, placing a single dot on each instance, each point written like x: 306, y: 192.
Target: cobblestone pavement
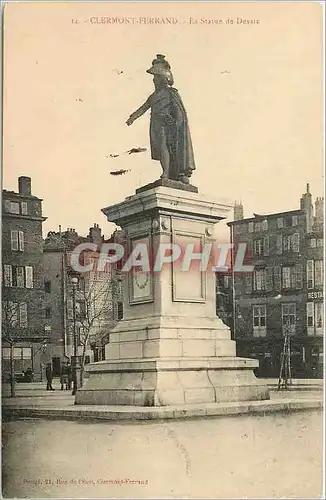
x: 273, y: 456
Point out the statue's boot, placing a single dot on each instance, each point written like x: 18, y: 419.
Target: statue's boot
x: 184, y: 179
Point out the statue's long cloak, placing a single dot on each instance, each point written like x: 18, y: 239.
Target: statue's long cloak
x: 169, y: 118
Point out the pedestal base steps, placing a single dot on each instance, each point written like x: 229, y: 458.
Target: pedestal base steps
x: 171, y: 381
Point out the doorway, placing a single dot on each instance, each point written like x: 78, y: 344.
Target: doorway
x: 56, y: 364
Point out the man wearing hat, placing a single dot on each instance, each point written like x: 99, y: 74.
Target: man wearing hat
x: 169, y: 132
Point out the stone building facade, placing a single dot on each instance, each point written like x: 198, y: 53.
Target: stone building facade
x: 23, y: 323
x: 92, y: 289
x: 283, y: 293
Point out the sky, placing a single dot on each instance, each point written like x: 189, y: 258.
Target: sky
x: 253, y: 94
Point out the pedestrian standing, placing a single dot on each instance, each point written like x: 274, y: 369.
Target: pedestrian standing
x: 49, y: 377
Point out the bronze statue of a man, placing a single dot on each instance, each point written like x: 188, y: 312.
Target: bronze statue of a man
x: 169, y: 132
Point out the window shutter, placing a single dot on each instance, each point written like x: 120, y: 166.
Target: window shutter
x: 7, y: 206
x: 14, y: 239
x: 296, y: 242
x: 277, y: 277
x: 20, y: 281
x: 279, y: 244
x: 7, y: 275
x: 266, y: 245
x: 21, y: 241
x: 23, y: 315
x: 251, y: 227
x: 29, y: 276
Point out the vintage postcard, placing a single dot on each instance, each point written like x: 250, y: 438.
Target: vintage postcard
x: 162, y: 250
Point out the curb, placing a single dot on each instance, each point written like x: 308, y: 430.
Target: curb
x: 129, y: 413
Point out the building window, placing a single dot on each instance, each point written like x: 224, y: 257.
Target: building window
x: 266, y: 245
x: 277, y: 278
x: 269, y: 278
x: 310, y: 274
x: 19, y: 278
x: 7, y: 271
x: 47, y: 312
x: 287, y: 240
x: 315, y: 317
x: 298, y: 276
x: 17, y: 240
x: 319, y: 314
x: 320, y: 242
x: 286, y: 277
x: 310, y: 314
x: 15, y: 314
x: 280, y: 222
x: 279, y: 244
x: 313, y: 242
x: 265, y: 225
x: 257, y: 247
x: 251, y: 227
x: 10, y: 313
x: 47, y: 286
x: 14, y: 240
x: 319, y: 272
x: 259, y: 320
x: 23, y: 315
x: 258, y: 227
x: 296, y: 242
x: 29, y: 276
x: 288, y: 318
x: 22, y: 353
x: 14, y: 208
x: 294, y: 220
x: 248, y: 283
x: 6, y: 353
x: 24, y: 207
x: 259, y: 279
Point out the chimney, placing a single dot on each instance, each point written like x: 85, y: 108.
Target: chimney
x: 319, y: 210
x: 306, y: 205
x: 238, y: 211
x: 25, y: 185
x: 95, y: 234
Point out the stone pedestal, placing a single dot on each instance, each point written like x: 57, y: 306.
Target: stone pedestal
x: 170, y: 348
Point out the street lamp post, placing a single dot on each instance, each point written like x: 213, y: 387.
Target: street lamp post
x: 285, y: 378
x: 75, y: 364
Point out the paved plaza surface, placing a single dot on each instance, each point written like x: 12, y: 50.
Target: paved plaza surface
x: 268, y: 455
x: 273, y: 456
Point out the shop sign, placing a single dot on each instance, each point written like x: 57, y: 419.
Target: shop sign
x: 316, y: 295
